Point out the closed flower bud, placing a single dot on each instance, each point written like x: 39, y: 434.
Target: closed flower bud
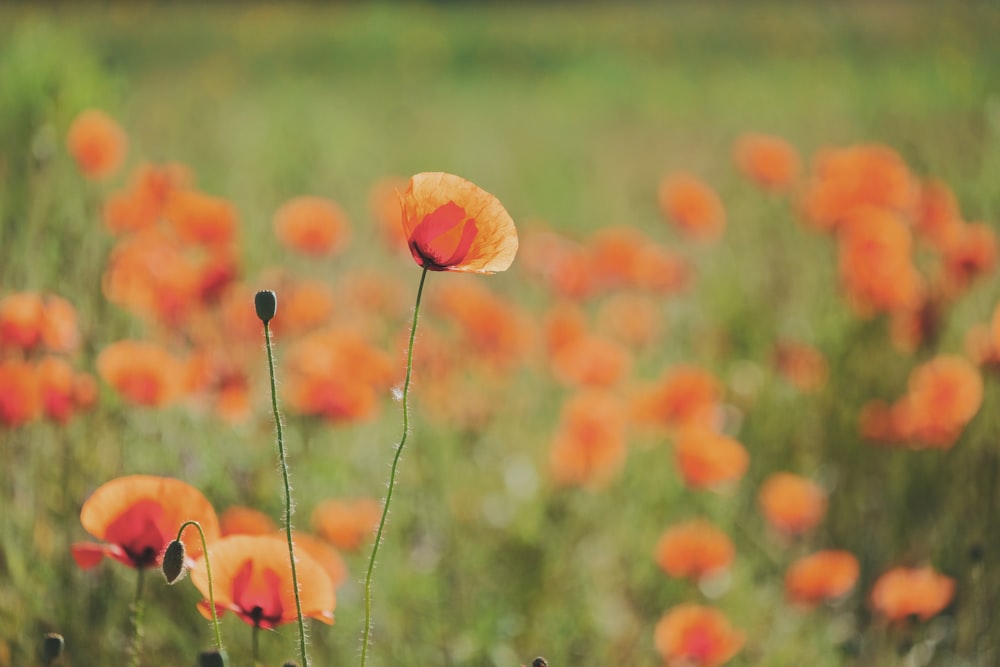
x: 52, y: 647
x: 212, y: 659
x: 266, y: 303
x: 173, y: 562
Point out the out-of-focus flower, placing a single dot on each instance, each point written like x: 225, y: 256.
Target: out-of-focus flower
x: 691, y: 635
x: 240, y: 520
x: 707, y: 459
x: 938, y: 215
x: 802, y: 365
x: 694, y: 549
x: 589, y: 446
x: 97, y: 143
x: 903, y: 592
x: 692, y: 206
x: 454, y: 225
x: 791, y: 503
x: 142, y: 373
x: 591, y: 361
x: 346, y: 524
x: 143, y: 203
x: 201, y: 219
x: 138, y: 515
x: 944, y: 395
x: 252, y: 577
x: 312, y: 226
x: 684, y: 396
x: 770, y: 162
x: 634, y: 320
x: 28, y: 320
x: 824, y: 575
x: 18, y: 392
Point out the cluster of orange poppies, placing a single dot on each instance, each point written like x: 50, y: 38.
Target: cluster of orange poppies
x: 38, y: 336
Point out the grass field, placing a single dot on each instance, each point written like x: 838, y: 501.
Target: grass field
x: 572, y: 115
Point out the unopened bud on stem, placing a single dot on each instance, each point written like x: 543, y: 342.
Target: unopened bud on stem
x: 266, y: 303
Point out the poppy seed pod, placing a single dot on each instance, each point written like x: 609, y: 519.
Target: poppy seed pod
x: 212, y: 659
x: 52, y: 647
x: 266, y: 304
x: 173, y: 562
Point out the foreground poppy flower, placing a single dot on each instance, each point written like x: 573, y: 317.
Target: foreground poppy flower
x: 137, y: 516
x: 691, y: 635
x: 903, y: 592
x: 454, y: 225
x: 252, y: 577
x: 694, y: 549
x: 97, y: 143
x: 824, y: 575
x: 791, y: 503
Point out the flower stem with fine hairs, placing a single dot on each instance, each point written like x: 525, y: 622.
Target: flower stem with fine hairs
x: 288, y: 495
x: 135, y: 642
x: 208, y: 572
x: 392, y: 474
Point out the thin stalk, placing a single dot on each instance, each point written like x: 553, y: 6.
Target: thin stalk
x: 392, y: 474
x: 135, y: 642
x: 288, y: 497
x: 255, y: 644
x: 208, y: 571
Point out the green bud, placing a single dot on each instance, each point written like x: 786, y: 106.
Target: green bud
x: 173, y: 562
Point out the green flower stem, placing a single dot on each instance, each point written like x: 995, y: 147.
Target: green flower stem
x: 392, y: 475
x: 255, y: 645
x: 208, y: 571
x: 288, y: 498
x: 135, y: 643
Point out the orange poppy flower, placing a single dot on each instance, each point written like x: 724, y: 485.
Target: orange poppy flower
x: 143, y: 203
x: 791, y: 503
x: 252, y: 577
x: 938, y: 214
x: 493, y: 329
x: 202, y: 219
x: 903, y: 592
x: 694, y: 549
x: 692, y: 206
x: 240, y: 520
x: 589, y: 446
x: 453, y: 225
x: 802, y: 365
x: 18, y: 393
x: 85, y: 391
x: 97, y: 144
x: 691, y: 635
x: 142, y: 373
x: 138, y: 515
x: 22, y: 318
x: 684, y: 396
x: 56, y: 386
x: 592, y: 361
x: 845, y: 179
x: 944, y: 395
x: 969, y: 252
x: 659, y: 271
x: 707, y: 459
x: 824, y: 575
x: 305, y: 305
x: 770, y: 162
x: 312, y: 226
x: 347, y: 524
x: 613, y: 253
x: 60, y: 332
x: 564, y: 266
x: 565, y: 324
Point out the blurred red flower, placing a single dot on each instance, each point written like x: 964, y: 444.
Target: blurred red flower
x: 691, y: 635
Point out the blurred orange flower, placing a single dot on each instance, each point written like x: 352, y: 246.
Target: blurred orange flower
x: 454, y: 225
x: 252, y: 577
x: 138, y: 515
x: 22, y: 317
x: 142, y: 204
x: 18, y: 393
x: 707, y: 459
x: 202, y: 219
x: 691, y: 635
x: 491, y: 327
x: 60, y: 332
x: 944, y: 395
x: 938, y: 214
x: 969, y: 252
x: 312, y: 226
x: 240, y: 520
x: 802, y: 365
x: 684, y: 396
x: 143, y: 373
x: 634, y: 320
x: 791, y: 503
x: 97, y: 143
x: 306, y: 305
x: 824, y: 575
x: 56, y: 386
x: 770, y: 162
x: 589, y: 445
x: 694, y: 549
x: 591, y: 361
x: 903, y: 592
x: 693, y: 207
x: 346, y: 524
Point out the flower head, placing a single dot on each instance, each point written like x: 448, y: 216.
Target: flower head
x: 252, y: 577
x: 791, y: 503
x: 903, y: 592
x: 694, y: 549
x: 138, y: 516
x: 452, y: 224
x: 824, y: 575
x: 97, y: 143
x: 696, y: 636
